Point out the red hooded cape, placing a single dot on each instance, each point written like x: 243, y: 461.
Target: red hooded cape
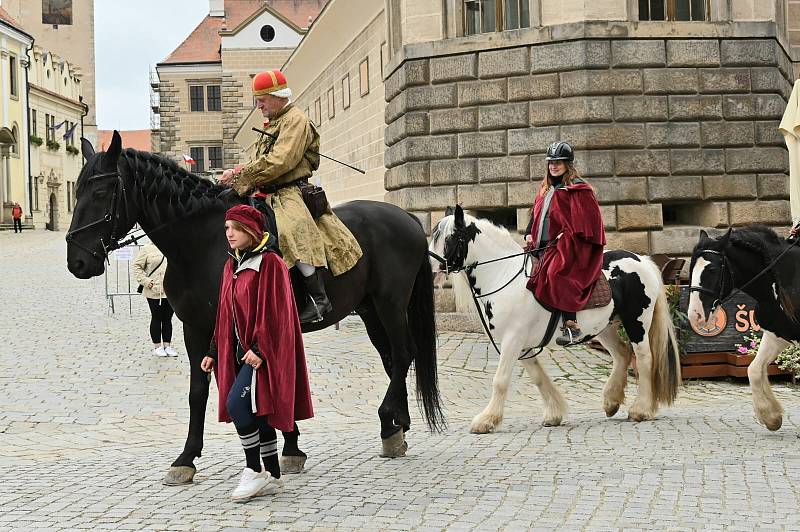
x: 567, y: 271
x: 266, y: 317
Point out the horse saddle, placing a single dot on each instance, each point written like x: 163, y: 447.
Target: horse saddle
x: 601, y: 290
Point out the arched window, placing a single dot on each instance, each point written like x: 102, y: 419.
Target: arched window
x: 15, y: 145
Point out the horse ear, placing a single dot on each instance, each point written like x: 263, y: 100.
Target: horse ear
x: 86, y: 148
x: 448, y: 211
x: 112, y: 154
x: 703, y: 235
x: 459, y: 216
x: 724, y: 238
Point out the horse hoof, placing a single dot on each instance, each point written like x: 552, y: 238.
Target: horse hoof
x: 481, y: 426
x: 179, y: 475
x: 774, y: 424
x: 394, y: 446
x: 639, y: 416
x: 555, y: 422
x: 611, y: 410
x: 292, y: 465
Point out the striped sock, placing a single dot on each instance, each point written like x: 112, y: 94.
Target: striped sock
x: 269, y: 452
x: 250, y: 442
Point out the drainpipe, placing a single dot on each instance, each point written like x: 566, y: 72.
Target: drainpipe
x: 28, y: 118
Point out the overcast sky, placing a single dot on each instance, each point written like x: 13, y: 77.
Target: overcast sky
x: 130, y: 38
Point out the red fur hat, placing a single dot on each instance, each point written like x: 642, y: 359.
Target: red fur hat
x: 268, y: 82
x: 248, y: 216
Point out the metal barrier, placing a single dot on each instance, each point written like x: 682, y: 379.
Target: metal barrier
x: 119, y: 280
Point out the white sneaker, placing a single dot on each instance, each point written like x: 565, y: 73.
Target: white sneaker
x: 250, y: 484
x: 159, y: 352
x: 170, y: 351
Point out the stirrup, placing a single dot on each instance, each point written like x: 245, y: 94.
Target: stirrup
x: 569, y: 336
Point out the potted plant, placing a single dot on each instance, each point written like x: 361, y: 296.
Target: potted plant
x: 53, y: 145
x: 36, y: 141
x: 72, y: 149
x: 789, y: 360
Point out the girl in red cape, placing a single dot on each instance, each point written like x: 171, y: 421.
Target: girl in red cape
x: 257, y: 354
x: 565, y: 216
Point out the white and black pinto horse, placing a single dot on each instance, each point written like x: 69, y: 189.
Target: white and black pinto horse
x: 758, y: 262
x: 518, y: 322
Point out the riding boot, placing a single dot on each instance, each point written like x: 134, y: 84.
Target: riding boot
x: 570, y: 334
x: 318, y: 304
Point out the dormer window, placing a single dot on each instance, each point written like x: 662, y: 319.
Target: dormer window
x: 267, y: 33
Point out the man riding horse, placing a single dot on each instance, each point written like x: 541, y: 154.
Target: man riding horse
x: 284, y: 160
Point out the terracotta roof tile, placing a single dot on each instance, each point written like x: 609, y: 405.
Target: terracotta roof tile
x: 138, y: 139
x: 9, y: 19
x: 201, y: 46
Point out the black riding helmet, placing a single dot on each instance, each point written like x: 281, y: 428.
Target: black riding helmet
x: 560, y: 151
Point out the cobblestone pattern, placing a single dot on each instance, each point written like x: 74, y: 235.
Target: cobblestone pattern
x: 89, y: 423
x: 657, y: 124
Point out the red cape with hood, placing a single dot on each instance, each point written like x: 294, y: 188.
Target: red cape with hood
x: 260, y: 293
x: 567, y: 271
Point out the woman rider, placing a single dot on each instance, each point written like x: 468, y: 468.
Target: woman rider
x: 567, y: 227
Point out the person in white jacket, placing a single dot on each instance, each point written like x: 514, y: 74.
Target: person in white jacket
x: 148, y: 269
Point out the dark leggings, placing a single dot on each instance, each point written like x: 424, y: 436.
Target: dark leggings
x: 239, y: 405
x: 160, y: 320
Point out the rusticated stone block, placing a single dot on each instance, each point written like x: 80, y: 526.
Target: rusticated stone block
x: 609, y: 214
x: 454, y: 120
x: 603, y: 136
x: 482, y: 144
x: 642, y: 109
x: 482, y: 92
x: 533, y: 87
x: 775, y: 212
x: 692, y: 53
x: 769, y: 79
x: 589, y: 163
x: 773, y: 186
x: 633, y: 241
x: 409, y: 124
x: 673, y: 134
x: 726, y: 134
x: 421, y: 148
x: 694, y: 162
x: 631, y: 217
x: 483, y: 196
x: 675, y: 187
x: 571, y: 111
x: 753, y: 107
x: 695, y: 108
x: 522, y: 194
x: 504, y: 63
x: 429, y: 97
x: 523, y: 217
x: 453, y: 68
x: 724, y: 80
x: 411, y: 73
x: 422, y: 198
x: 395, y: 108
x: 504, y: 116
x: 445, y: 302
x: 763, y: 159
x: 620, y: 189
x: 767, y: 134
x: 729, y: 186
x: 407, y: 175
x: 670, y: 81
x: 504, y: 169
x: 755, y: 52
x: 454, y: 171
x: 600, y: 82
x: 638, y: 53
x: 676, y: 241
x: 531, y: 139
x: 573, y: 55
x: 642, y: 162
x: 424, y: 218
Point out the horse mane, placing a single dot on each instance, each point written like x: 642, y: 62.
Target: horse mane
x: 163, y: 183
x: 765, y: 242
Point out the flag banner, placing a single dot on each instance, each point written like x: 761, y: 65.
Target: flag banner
x: 54, y: 128
x: 187, y: 159
x: 70, y: 132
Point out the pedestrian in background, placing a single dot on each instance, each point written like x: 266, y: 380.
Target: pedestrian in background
x: 148, y: 270
x: 16, y: 214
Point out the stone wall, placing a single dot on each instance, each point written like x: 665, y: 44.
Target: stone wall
x: 672, y: 133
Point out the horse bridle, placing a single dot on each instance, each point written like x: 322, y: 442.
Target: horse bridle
x: 112, y: 217
x: 719, y: 296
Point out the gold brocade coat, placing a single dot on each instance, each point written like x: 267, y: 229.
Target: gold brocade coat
x: 324, y: 243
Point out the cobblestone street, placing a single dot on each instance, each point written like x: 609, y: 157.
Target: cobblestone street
x: 90, y: 422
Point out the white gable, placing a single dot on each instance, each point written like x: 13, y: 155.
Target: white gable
x: 250, y: 35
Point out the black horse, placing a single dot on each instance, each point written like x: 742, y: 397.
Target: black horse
x: 764, y: 266
x: 390, y: 287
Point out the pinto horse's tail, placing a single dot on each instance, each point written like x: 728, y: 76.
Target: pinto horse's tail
x: 421, y: 321
x: 664, y: 347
